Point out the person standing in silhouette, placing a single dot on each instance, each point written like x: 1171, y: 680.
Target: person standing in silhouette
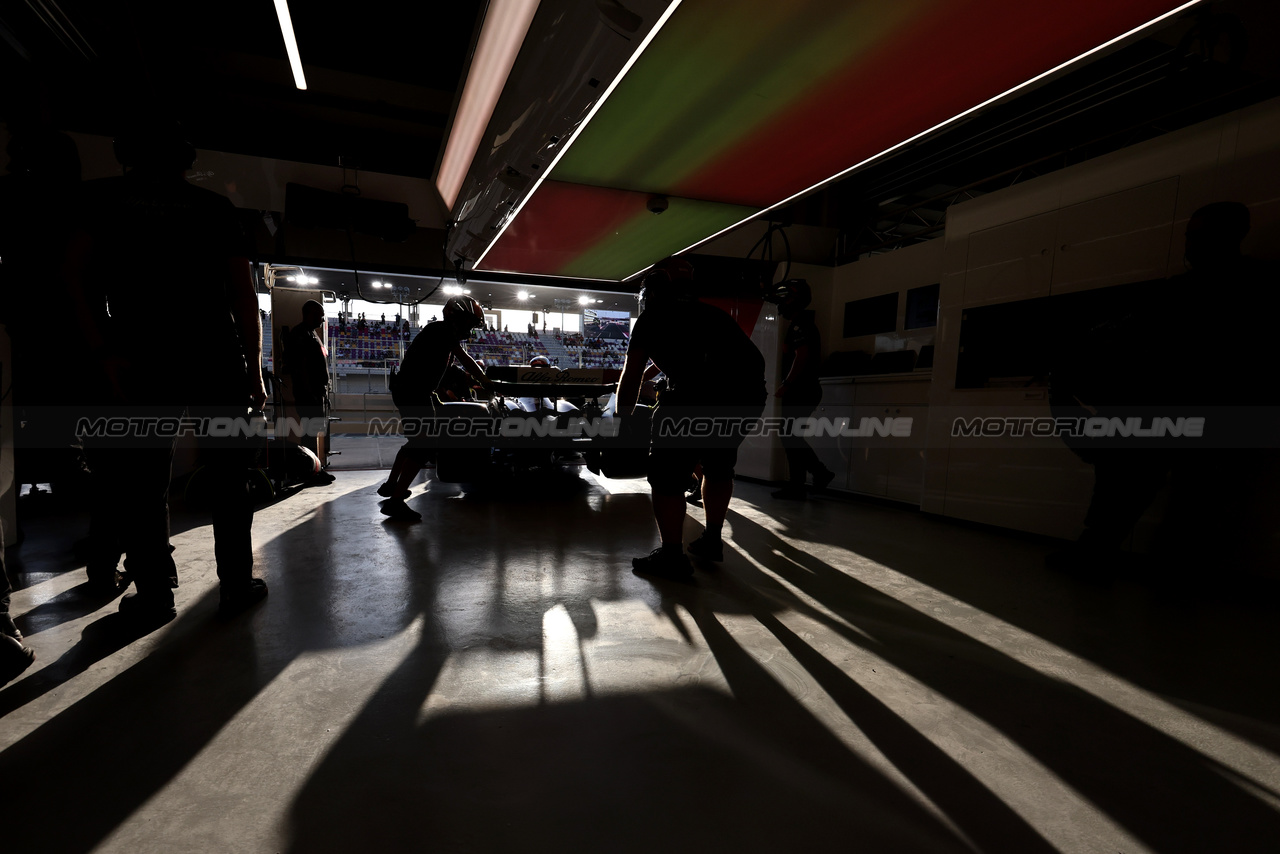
x: 1152, y: 363
x: 714, y: 371
x: 309, y: 378
x: 189, y: 343
x: 800, y: 391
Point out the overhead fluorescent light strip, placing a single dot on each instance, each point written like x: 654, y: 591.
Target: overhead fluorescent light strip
x: 506, y: 24
x: 290, y: 43
x: 1154, y: 21
x: 657, y: 27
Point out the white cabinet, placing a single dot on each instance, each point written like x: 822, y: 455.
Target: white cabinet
x: 1018, y: 481
x: 1012, y: 261
x: 835, y: 451
x: 1120, y: 238
x: 887, y: 458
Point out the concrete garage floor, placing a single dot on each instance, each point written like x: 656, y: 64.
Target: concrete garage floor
x: 853, y: 678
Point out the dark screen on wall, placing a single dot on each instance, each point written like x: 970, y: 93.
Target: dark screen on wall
x: 871, y: 316
x: 922, y: 307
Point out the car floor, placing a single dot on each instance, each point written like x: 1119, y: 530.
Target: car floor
x: 854, y: 676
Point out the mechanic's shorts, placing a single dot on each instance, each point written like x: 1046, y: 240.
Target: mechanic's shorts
x: 416, y: 417
x: 683, y: 437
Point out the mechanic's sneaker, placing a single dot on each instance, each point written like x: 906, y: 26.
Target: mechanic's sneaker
x: 240, y: 597
x: 148, y: 610
x: 399, y: 511
x: 664, y: 563
x: 823, y: 479
x: 14, y: 658
x: 385, y: 492
x: 790, y: 493
x: 7, y: 627
x: 707, y: 547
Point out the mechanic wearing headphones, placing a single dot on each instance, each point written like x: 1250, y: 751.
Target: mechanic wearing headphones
x: 413, y: 390
x: 800, y: 391
x: 713, y: 371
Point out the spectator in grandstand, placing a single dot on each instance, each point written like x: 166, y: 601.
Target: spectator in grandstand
x: 308, y: 362
x: 713, y: 370
x: 208, y: 364
x: 800, y: 391
x: 413, y: 391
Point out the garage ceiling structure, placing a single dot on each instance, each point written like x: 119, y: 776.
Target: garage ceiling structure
x: 727, y: 110
x: 719, y: 112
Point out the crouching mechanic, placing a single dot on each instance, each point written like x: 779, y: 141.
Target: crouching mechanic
x: 713, y: 372
x: 423, y: 366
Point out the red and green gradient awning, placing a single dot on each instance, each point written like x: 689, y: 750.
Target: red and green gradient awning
x: 737, y: 106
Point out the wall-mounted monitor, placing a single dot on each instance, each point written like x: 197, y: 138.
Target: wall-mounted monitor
x: 922, y: 307
x: 871, y: 316
x: 606, y: 324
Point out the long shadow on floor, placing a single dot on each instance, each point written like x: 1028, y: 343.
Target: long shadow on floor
x: 336, y: 582
x: 1160, y: 790
x: 680, y: 769
x: 1200, y: 641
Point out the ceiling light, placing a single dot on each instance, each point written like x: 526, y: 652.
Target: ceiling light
x: 595, y: 108
x: 583, y: 300
x: 506, y: 22
x: 290, y: 43
x: 522, y: 296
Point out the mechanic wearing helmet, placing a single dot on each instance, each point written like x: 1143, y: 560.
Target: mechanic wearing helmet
x: 800, y: 390
x: 421, y: 370
x: 713, y: 371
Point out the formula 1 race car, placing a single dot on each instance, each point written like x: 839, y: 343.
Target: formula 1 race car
x: 537, y: 417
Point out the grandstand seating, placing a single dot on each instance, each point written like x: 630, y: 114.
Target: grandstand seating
x: 377, y: 343
x: 506, y: 348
